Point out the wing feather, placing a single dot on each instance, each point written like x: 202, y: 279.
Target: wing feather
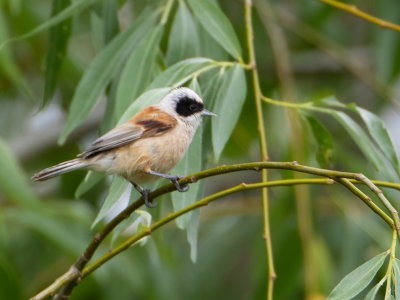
x: 149, y: 122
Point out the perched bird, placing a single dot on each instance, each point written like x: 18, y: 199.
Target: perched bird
x: 146, y: 147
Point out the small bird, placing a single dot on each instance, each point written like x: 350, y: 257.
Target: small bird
x: 146, y: 147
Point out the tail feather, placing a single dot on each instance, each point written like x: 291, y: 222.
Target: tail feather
x: 61, y: 168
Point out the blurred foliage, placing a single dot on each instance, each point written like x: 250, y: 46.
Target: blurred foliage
x: 76, y: 74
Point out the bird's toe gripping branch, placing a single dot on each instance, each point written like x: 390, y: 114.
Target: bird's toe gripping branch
x: 179, y: 187
x: 145, y: 193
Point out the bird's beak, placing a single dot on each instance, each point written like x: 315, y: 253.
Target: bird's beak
x: 206, y: 112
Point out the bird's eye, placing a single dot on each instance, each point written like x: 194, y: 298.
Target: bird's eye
x: 193, y: 107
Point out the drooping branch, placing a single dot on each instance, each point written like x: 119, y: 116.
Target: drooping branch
x: 354, y: 10
x: 345, y: 178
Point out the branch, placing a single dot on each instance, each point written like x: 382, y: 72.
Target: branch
x: 74, y: 272
x: 205, y: 201
x: 263, y: 143
x: 352, y: 9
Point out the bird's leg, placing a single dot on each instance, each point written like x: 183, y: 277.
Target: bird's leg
x: 145, y: 193
x: 174, y: 180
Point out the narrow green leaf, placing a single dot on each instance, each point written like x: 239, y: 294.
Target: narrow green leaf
x: 134, y: 224
x: 363, y: 142
x: 212, y: 84
x: 13, y: 181
x: 90, y: 180
x: 110, y: 20
x: 211, y: 48
x: 192, y: 234
x: 101, y: 70
x: 117, y: 198
x: 109, y: 119
x: 325, y: 150
x: 396, y: 269
x: 213, y: 81
x: 146, y: 99
x: 331, y: 101
x: 380, y: 135
x: 96, y: 26
x: 372, y: 293
x: 75, y: 8
x: 176, y: 74
x: 58, y: 42
x: 190, y: 163
x: 8, y: 67
x: 183, y: 39
x: 228, y: 107
x: 217, y: 25
x: 356, y: 281
x: 137, y: 71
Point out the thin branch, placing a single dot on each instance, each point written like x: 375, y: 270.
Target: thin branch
x: 281, y: 53
x: 61, y: 281
x: 367, y: 200
x: 381, y: 196
x: 203, y: 202
x: 263, y: 143
x: 352, y: 9
x: 256, y: 166
x: 389, y: 271
x: 166, y: 12
x: 286, y: 103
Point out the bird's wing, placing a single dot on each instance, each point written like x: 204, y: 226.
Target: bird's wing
x: 149, y: 122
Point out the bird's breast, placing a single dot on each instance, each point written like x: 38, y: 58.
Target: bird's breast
x: 159, y: 154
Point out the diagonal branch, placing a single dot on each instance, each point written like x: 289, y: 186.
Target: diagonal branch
x: 352, y: 9
x: 381, y: 196
x: 70, y: 277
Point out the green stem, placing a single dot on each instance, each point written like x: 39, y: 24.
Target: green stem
x: 167, y: 10
x: 213, y: 64
x: 352, y: 9
x: 367, y: 200
x: 287, y: 104
x: 390, y: 265
x: 263, y: 144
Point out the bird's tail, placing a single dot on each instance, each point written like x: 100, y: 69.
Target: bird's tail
x: 62, y: 168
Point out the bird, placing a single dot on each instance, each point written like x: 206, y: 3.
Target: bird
x: 146, y: 147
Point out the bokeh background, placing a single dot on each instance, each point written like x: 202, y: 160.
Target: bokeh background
x: 44, y: 227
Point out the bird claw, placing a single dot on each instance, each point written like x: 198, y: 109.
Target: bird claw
x: 149, y: 203
x: 145, y: 193
x: 180, y: 188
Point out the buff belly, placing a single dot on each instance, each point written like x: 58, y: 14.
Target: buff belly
x: 159, y: 154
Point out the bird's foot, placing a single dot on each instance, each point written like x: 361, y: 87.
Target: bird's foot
x: 145, y: 193
x: 179, y: 187
x: 148, y: 202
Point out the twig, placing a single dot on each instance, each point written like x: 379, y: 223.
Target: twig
x: 263, y: 144
x: 67, y: 277
x: 257, y: 166
x: 367, y: 200
x: 281, y: 53
x: 381, y: 196
x: 352, y: 9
